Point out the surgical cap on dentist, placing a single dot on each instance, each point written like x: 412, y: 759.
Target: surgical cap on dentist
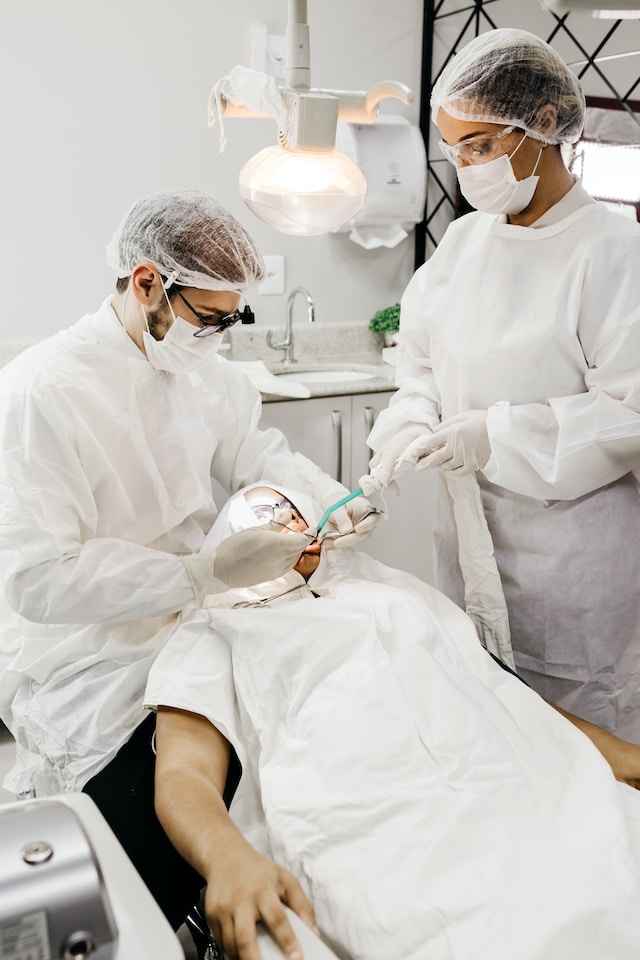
x: 508, y: 76
x: 191, y: 238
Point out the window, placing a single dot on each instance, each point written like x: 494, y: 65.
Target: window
x: 607, y: 157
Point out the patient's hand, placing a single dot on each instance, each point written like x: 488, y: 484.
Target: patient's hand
x: 245, y: 888
x: 623, y: 757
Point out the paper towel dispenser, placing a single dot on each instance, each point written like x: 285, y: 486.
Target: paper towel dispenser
x: 392, y: 155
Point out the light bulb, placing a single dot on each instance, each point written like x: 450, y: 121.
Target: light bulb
x: 305, y: 193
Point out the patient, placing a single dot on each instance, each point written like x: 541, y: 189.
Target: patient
x: 425, y: 801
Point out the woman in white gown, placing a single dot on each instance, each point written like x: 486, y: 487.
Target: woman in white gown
x: 520, y: 359
x: 430, y: 805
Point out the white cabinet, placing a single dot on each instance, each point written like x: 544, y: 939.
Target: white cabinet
x: 332, y: 432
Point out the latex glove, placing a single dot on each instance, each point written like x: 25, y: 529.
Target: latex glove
x: 384, y: 465
x: 257, y: 554
x: 349, y: 524
x: 460, y: 444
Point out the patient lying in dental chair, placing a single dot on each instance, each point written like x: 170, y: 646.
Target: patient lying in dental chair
x: 428, y: 804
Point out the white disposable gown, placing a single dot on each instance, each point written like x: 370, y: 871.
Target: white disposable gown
x: 540, y: 326
x: 105, y: 479
x: 432, y: 806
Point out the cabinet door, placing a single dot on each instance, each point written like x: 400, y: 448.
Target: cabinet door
x: 404, y: 539
x: 320, y: 428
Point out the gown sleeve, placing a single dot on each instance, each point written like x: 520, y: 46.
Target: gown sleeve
x: 57, y: 565
x: 56, y: 568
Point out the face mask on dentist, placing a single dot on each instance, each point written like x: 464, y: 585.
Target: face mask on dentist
x: 179, y: 351
x: 492, y: 187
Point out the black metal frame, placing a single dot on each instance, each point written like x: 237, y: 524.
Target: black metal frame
x: 476, y: 18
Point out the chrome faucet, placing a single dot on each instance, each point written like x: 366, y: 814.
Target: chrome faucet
x: 287, y: 343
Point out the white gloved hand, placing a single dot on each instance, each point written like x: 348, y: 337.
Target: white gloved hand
x: 460, y: 444
x: 384, y: 464
x: 350, y: 524
x: 256, y: 555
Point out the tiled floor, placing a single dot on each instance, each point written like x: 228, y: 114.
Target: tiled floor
x: 7, y: 751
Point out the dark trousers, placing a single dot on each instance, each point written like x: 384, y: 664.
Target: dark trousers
x: 123, y: 792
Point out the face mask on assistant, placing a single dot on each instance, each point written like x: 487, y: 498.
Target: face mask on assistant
x: 179, y: 351
x: 493, y: 188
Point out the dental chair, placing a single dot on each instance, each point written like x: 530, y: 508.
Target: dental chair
x: 68, y: 891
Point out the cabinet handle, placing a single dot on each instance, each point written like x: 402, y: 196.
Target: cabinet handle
x: 336, y: 420
x: 369, y: 420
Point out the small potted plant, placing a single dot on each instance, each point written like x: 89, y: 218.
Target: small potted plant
x: 387, y: 322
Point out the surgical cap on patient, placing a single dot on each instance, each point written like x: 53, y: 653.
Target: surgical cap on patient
x: 507, y: 76
x: 191, y: 238
x: 237, y: 514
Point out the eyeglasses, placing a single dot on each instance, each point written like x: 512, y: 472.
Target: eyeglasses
x: 478, y: 149
x: 215, y: 321
x: 267, y: 511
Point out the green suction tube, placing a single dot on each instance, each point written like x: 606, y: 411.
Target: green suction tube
x: 339, y: 503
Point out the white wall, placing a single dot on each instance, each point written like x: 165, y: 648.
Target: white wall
x: 103, y: 102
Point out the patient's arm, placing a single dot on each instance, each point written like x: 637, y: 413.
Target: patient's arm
x: 242, y: 886
x: 623, y: 757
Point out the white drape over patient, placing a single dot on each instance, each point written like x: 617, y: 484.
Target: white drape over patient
x: 432, y: 805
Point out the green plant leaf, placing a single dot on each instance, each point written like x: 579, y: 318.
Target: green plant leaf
x: 386, y: 320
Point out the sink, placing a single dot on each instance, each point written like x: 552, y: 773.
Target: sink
x: 327, y: 376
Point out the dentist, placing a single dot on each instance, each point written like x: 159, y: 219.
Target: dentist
x: 111, y: 433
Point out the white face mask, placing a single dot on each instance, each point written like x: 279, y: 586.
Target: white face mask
x: 492, y: 187
x: 179, y: 351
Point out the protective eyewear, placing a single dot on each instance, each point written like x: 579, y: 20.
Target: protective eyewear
x: 478, y: 149
x: 215, y: 321
x: 265, y: 512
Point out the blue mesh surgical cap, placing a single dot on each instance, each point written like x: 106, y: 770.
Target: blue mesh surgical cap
x: 191, y: 238
x: 508, y: 76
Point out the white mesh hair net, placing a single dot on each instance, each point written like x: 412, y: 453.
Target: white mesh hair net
x: 507, y: 76
x: 191, y: 238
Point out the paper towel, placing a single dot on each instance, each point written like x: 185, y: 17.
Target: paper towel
x: 267, y: 382
x: 374, y: 235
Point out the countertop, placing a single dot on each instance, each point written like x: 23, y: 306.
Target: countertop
x: 318, y: 349
x: 380, y: 378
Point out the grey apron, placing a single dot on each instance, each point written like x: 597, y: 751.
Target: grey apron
x: 570, y: 572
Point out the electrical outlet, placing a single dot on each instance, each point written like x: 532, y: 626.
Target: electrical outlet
x: 274, y: 281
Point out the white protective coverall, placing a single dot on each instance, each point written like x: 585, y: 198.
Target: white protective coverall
x: 432, y: 806
x: 105, y: 478
x: 540, y: 326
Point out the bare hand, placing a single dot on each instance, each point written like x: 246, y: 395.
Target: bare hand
x: 253, y: 889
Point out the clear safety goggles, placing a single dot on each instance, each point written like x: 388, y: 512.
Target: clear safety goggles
x: 480, y: 149
x: 264, y: 512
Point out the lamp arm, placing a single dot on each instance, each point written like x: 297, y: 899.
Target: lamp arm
x: 230, y: 94
x: 361, y: 106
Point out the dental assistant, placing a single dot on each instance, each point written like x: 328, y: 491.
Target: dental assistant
x: 520, y: 362
x: 111, y: 433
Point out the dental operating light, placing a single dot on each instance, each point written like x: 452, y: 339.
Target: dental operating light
x: 302, y: 185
